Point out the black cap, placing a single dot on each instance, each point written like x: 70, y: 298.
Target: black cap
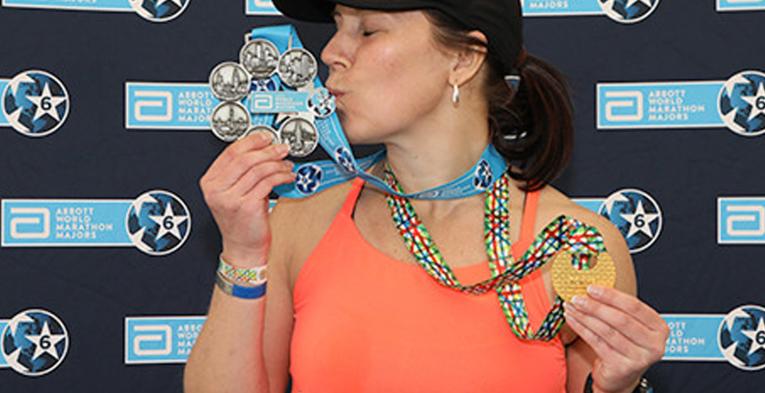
x: 499, y: 20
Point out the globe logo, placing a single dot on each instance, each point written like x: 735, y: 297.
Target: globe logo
x: 35, y: 103
x: 344, y: 158
x: 308, y: 179
x: 159, y: 10
x: 741, y: 103
x: 158, y: 222
x: 482, y: 175
x: 628, y: 11
x: 35, y: 342
x: 637, y: 216
x: 741, y: 337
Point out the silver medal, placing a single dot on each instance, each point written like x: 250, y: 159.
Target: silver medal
x: 275, y: 140
x: 321, y: 103
x: 301, y: 136
x: 297, y: 68
x: 229, y: 81
x: 260, y: 58
x: 230, y: 121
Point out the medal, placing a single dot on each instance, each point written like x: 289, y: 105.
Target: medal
x: 569, y: 281
x: 260, y: 58
x: 275, y: 139
x: 229, y: 81
x: 300, y: 134
x: 297, y: 68
x: 321, y: 103
x: 230, y: 121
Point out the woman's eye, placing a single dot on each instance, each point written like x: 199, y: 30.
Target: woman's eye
x: 368, y: 33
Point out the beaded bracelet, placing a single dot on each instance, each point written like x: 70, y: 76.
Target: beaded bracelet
x: 642, y: 387
x: 254, y: 276
x: 242, y: 292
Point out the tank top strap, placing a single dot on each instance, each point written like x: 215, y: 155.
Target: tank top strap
x: 528, y: 220
x: 353, y: 195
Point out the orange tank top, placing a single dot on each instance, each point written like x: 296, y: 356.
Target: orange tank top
x: 365, y: 322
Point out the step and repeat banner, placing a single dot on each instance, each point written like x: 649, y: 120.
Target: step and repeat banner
x: 105, y: 131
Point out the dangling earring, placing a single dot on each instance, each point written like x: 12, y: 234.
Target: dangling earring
x: 455, y: 94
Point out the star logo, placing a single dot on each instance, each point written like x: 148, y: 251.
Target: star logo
x: 757, y: 102
x: 36, y: 103
x: 158, y: 222
x: 168, y: 222
x: 622, y: 11
x: 757, y: 336
x: 34, y: 342
x: 640, y: 221
x: 47, y: 104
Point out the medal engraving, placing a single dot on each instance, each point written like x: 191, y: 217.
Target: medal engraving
x: 301, y: 135
x: 569, y: 282
x: 297, y: 68
x: 229, y: 81
x: 260, y: 57
x: 230, y: 121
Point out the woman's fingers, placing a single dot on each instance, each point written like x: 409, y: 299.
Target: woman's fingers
x: 257, y: 173
x: 233, y: 168
x: 630, y: 305
x: 263, y: 188
x: 611, y: 327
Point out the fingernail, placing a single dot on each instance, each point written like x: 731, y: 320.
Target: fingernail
x: 578, y: 301
x: 594, y: 290
x: 282, y: 148
x: 264, y: 136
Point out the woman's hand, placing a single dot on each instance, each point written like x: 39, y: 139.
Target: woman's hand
x: 236, y: 189
x: 627, y: 335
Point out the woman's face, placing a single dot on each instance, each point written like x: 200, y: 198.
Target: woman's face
x: 385, y: 71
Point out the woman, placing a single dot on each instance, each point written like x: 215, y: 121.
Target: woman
x: 348, y: 308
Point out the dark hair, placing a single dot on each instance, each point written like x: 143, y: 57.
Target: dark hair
x: 533, y: 127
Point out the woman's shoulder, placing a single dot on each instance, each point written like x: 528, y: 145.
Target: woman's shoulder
x: 553, y: 203
x: 297, y: 225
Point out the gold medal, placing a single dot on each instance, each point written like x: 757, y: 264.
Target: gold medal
x: 569, y: 282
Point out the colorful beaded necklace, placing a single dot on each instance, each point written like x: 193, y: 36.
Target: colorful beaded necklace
x: 582, y: 241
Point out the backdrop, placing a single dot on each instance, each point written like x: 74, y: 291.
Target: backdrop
x: 108, y: 250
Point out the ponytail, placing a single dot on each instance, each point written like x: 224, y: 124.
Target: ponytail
x: 532, y: 128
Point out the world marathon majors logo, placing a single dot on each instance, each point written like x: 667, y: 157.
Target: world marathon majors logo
x: 622, y: 11
x: 740, y: 5
x: 737, y: 103
x: 634, y: 212
x: 151, y: 10
x: 157, y: 222
x: 35, y: 103
x: 740, y: 220
x: 160, y: 339
x: 737, y: 337
x: 34, y: 342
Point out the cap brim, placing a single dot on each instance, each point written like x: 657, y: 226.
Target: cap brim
x: 321, y: 10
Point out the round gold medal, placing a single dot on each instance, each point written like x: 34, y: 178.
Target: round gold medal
x: 569, y: 282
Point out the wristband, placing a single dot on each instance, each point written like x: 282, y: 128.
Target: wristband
x: 239, y: 291
x: 642, y: 387
x: 254, y: 276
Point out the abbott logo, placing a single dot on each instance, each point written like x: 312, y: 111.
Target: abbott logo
x: 741, y: 220
x: 40, y: 219
x: 161, y: 334
x: 262, y: 102
x: 151, y: 100
x: 624, y: 100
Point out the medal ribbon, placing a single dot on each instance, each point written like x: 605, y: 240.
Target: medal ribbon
x: 582, y: 241
x: 313, y: 177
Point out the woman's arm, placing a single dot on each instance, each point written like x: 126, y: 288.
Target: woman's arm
x: 619, y: 336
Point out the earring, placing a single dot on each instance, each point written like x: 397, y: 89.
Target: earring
x: 455, y: 94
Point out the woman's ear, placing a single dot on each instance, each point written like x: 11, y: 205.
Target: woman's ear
x: 468, y: 61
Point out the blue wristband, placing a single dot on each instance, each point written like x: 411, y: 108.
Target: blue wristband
x: 240, y: 291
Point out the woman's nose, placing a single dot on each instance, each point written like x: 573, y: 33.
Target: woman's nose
x: 335, y: 53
